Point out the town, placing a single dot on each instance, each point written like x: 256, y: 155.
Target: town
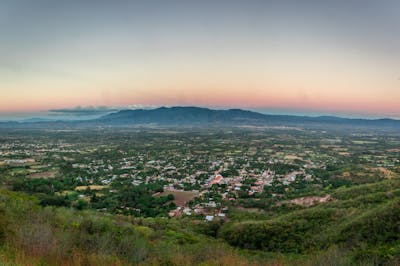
x: 204, y: 174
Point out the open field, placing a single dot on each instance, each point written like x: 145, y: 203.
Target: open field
x: 92, y: 187
x: 180, y: 197
x: 387, y: 173
x: 47, y: 174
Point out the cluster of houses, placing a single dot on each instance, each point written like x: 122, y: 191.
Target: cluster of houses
x: 209, y: 212
x: 211, y: 209
x: 177, y: 177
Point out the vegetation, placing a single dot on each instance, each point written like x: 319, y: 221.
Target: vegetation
x: 342, y: 230
x: 364, y: 220
x: 199, y: 197
x: 34, y: 235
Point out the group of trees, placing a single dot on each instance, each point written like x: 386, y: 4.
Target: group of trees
x: 135, y: 200
x: 42, y: 185
x: 122, y: 197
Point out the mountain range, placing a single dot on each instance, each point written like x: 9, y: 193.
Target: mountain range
x: 198, y: 116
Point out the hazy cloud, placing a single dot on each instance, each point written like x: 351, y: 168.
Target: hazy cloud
x: 79, y: 110
x: 94, y: 110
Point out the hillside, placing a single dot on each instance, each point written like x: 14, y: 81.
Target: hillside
x: 202, y: 116
x: 198, y: 116
x: 182, y: 115
x: 33, y: 235
x: 363, y: 222
x: 361, y: 226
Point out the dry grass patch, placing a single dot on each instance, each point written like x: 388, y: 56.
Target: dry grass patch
x: 47, y: 174
x: 180, y: 197
x: 92, y: 187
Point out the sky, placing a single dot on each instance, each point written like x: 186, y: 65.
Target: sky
x: 314, y: 57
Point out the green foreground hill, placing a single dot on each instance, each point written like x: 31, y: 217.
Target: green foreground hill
x: 360, y: 226
x: 362, y: 222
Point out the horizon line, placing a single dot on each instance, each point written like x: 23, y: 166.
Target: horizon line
x: 88, y: 113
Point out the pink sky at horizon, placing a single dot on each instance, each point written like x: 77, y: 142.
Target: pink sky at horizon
x: 222, y: 99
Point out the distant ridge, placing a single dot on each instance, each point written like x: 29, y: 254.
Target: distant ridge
x: 182, y: 116
x: 199, y: 116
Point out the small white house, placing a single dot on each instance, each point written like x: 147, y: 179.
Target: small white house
x: 209, y: 218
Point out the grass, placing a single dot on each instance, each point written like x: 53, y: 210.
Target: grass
x: 34, y: 235
x: 361, y: 227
